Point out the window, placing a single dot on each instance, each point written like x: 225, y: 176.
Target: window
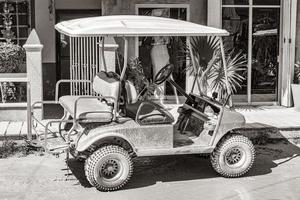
x: 20, y: 11
x: 13, y: 81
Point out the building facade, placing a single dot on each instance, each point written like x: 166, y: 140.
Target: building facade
x: 264, y: 31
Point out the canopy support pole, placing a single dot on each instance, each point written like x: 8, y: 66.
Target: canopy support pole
x: 122, y: 73
x: 225, y: 69
x: 194, y: 65
x: 125, y: 58
x: 102, y: 55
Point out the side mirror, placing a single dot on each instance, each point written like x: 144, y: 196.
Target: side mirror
x: 215, y: 95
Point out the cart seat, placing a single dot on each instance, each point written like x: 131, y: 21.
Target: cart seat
x: 105, y: 84
x: 131, y: 92
x: 91, y: 109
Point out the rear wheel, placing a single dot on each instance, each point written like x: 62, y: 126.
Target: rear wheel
x: 109, y: 168
x: 234, y: 156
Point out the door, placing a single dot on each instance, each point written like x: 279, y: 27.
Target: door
x: 265, y: 52
x: 255, y: 30
x: 62, y: 43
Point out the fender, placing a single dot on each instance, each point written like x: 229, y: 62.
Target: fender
x: 231, y: 120
x: 85, y: 142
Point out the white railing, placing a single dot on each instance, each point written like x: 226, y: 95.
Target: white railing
x: 19, y: 78
x: 15, y: 78
x: 33, y: 79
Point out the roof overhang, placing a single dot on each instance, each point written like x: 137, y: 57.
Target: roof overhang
x: 134, y: 25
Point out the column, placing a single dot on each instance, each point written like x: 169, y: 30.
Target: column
x: 33, y: 49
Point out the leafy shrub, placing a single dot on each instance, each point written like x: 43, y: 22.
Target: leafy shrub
x: 12, y: 57
x: 136, y: 75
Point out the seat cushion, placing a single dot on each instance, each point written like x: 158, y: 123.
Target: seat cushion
x: 131, y: 92
x: 107, y: 85
x: 90, y: 109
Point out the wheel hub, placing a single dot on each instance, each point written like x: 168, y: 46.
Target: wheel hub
x: 233, y: 156
x: 109, y: 168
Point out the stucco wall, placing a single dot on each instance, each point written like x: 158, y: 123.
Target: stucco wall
x: 44, y: 27
x: 198, y: 11
x: 78, y: 4
x: 44, y: 23
x: 114, y: 7
x: 298, y: 32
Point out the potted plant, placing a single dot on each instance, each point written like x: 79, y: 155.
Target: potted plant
x: 136, y: 75
x: 296, y: 85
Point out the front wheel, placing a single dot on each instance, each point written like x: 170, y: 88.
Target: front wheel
x: 109, y: 168
x: 233, y: 157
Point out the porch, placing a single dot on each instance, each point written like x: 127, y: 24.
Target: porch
x: 270, y: 121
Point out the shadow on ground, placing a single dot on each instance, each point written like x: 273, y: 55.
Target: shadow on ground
x: 77, y: 169
x: 150, y: 170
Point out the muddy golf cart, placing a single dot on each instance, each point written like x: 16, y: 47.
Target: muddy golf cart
x: 107, y: 137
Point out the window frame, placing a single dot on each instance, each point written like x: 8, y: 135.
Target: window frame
x: 17, y: 26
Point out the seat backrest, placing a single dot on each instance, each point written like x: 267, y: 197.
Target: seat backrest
x: 131, y: 92
x: 106, y: 86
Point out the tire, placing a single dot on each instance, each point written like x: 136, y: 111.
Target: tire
x: 233, y: 156
x: 109, y: 168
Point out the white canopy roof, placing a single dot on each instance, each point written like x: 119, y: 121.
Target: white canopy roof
x: 134, y: 25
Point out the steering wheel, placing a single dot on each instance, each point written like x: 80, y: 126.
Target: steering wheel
x: 163, y: 74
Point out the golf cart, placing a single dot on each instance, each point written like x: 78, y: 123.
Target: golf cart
x: 107, y: 137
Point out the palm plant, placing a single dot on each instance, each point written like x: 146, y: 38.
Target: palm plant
x: 235, y: 65
x: 210, y: 70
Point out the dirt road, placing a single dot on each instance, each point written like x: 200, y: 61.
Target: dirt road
x: 275, y: 175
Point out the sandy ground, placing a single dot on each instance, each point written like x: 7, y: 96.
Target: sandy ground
x: 275, y: 175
